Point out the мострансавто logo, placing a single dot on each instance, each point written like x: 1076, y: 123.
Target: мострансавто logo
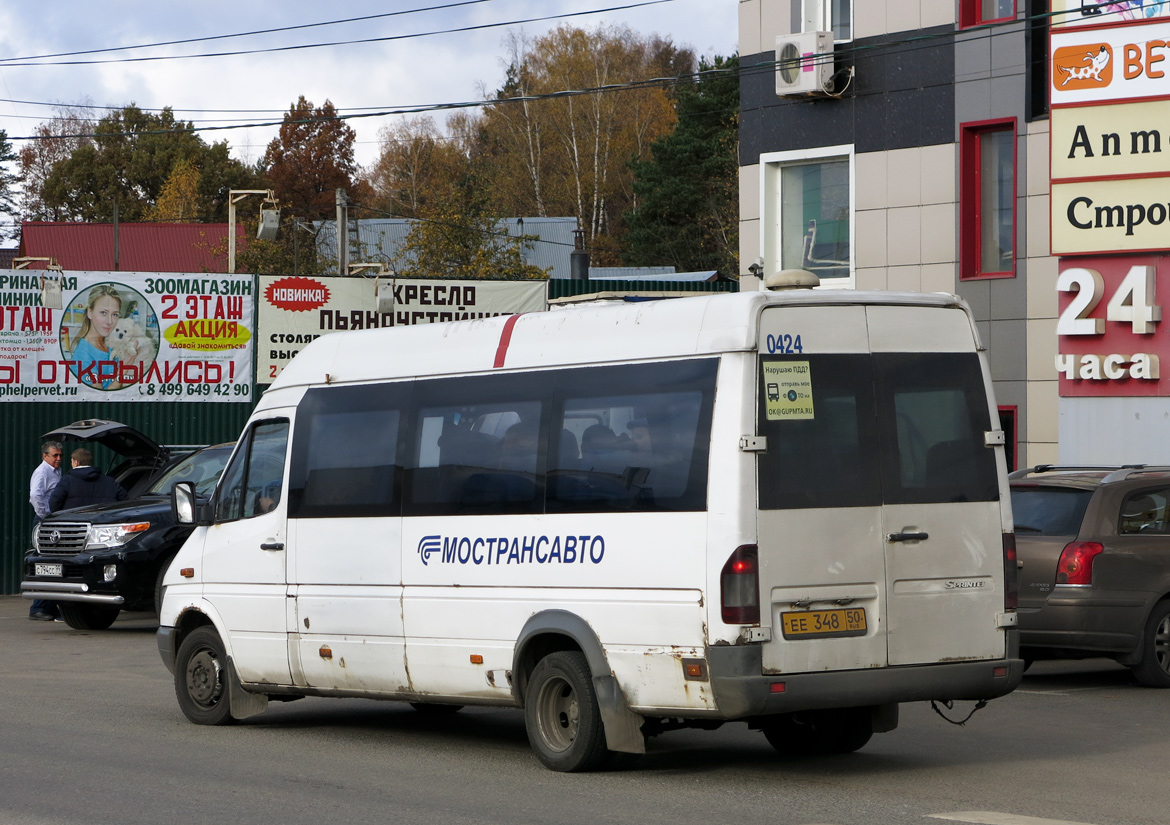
x: 297, y: 294
x: 505, y: 550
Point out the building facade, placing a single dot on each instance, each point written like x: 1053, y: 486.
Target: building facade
x: 913, y: 155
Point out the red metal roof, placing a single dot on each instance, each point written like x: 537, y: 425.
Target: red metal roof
x: 142, y: 247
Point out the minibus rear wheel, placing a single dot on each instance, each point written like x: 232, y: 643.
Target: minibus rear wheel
x: 561, y: 713
x: 201, y: 678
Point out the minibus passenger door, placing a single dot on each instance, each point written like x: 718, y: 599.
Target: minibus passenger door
x: 244, y: 554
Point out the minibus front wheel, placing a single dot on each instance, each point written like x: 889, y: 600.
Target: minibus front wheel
x: 561, y: 713
x: 201, y: 678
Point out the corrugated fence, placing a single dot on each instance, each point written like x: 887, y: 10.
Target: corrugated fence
x: 187, y: 423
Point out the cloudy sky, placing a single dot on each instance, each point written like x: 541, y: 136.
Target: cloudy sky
x: 80, y: 51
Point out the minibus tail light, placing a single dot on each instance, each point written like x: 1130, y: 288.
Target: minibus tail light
x: 739, y: 586
x: 1011, y: 573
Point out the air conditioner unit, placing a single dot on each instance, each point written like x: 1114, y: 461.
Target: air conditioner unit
x: 804, y: 63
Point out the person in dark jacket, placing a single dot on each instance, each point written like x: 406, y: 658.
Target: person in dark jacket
x: 85, y: 484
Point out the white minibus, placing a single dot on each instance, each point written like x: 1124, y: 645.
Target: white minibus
x: 787, y: 508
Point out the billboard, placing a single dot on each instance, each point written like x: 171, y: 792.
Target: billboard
x: 1108, y: 340
x: 1126, y: 62
x: 127, y: 336
x: 295, y: 310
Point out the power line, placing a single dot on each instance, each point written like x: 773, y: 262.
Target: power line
x: 387, y: 39
x: 7, y: 60
x: 854, y: 51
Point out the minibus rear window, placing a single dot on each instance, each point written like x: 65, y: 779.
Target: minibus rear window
x: 861, y: 430
x: 820, y: 450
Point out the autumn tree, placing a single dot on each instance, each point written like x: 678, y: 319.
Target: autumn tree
x: 576, y: 107
x: 417, y: 168
x: 178, y: 201
x: 310, y: 159
x: 461, y: 237
x: 687, y: 196
x: 53, y: 142
x: 129, y: 161
x: 457, y: 245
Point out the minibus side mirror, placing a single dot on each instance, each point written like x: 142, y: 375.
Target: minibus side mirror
x: 185, y: 506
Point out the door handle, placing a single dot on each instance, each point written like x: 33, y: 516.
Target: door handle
x: 275, y: 545
x: 907, y: 537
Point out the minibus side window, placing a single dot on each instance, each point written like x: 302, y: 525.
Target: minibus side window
x: 477, y: 445
x: 346, y: 453
x: 820, y: 453
x: 633, y: 437
x: 934, y: 412
x: 253, y: 483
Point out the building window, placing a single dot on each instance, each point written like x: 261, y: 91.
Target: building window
x: 1009, y: 423
x: 834, y: 16
x: 1036, y: 50
x: 987, y: 199
x: 808, y: 212
x: 977, y: 12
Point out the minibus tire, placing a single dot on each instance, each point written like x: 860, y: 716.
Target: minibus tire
x: 820, y: 732
x: 88, y: 616
x: 201, y: 678
x: 561, y: 713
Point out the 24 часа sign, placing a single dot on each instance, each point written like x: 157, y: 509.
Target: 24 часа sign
x: 127, y: 336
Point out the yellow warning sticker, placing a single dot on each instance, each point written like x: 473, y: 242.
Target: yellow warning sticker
x: 788, y: 385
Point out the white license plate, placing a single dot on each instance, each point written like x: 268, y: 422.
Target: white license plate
x: 53, y: 570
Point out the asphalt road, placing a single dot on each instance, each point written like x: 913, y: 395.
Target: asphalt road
x: 90, y: 733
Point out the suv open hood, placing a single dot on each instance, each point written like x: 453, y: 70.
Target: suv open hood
x: 123, y: 440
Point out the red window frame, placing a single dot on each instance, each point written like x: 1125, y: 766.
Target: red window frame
x: 970, y: 201
x: 971, y: 13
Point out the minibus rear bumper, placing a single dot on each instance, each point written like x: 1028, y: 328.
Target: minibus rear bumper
x: 742, y: 689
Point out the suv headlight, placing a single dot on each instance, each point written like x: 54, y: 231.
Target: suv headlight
x: 113, y: 535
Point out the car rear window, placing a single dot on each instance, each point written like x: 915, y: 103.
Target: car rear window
x: 1049, y: 511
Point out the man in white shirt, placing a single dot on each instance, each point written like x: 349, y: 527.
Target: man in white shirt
x: 44, y: 480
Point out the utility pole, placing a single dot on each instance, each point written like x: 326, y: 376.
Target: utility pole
x: 342, y: 233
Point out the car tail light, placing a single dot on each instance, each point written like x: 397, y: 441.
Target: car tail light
x: 1076, y: 562
x: 1011, y: 573
x: 739, y: 586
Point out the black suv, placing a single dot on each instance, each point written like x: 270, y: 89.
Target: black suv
x: 1093, y: 548
x: 98, y: 560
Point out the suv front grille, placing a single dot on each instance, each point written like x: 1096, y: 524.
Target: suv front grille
x: 61, y: 537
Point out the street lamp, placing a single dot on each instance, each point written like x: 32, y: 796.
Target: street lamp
x: 268, y: 225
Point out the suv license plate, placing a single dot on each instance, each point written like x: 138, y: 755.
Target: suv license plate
x: 818, y: 624
x: 53, y: 570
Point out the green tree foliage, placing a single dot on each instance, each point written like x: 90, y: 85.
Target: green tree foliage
x: 311, y: 159
x: 128, y: 162
x: 8, y: 181
x: 687, y: 211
